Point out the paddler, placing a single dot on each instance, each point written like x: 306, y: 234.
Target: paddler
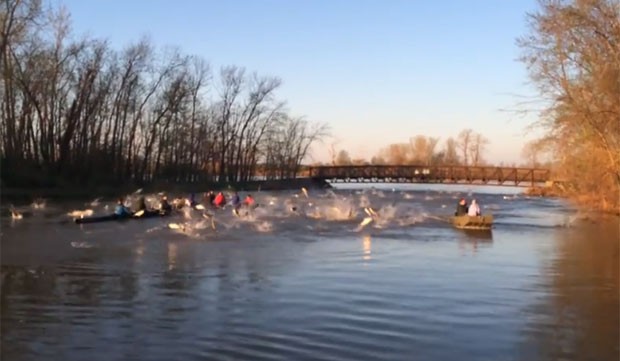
x: 164, y: 206
x: 249, y: 201
x: 219, y: 200
x: 236, y: 200
x: 192, y: 200
x: 121, y: 210
x: 210, y: 197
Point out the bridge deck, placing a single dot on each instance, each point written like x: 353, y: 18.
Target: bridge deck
x: 432, y: 174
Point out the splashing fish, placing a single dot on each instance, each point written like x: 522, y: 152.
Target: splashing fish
x: 38, y: 204
x: 16, y: 215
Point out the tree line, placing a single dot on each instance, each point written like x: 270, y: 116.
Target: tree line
x: 467, y: 148
x: 572, y: 53
x: 76, y: 111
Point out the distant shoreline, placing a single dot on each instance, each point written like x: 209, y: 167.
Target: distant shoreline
x: 76, y: 193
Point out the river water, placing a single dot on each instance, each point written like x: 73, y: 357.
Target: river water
x: 312, y: 284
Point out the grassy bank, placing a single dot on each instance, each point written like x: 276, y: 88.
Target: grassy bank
x: 79, y: 193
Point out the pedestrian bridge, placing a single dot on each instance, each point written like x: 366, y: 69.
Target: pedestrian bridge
x: 508, y: 176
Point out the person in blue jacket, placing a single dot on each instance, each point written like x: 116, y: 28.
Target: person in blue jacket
x: 192, y: 200
x: 235, y: 201
x: 121, y: 210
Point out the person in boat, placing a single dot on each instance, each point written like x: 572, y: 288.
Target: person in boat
x: 121, y: 210
x: 249, y: 201
x: 141, y: 204
x: 219, y: 200
x: 179, y: 203
x: 474, y: 209
x: 236, y: 200
x: 461, y: 208
x: 192, y: 200
x: 210, y: 197
x: 164, y: 206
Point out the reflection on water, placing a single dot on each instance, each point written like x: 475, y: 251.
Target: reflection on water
x: 367, y: 247
x: 581, y: 313
x: 472, y: 240
x: 307, y: 290
x: 172, y: 255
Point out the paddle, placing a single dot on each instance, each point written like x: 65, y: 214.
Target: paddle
x: 371, y: 212
x: 366, y: 221
x: 139, y: 213
x: 363, y: 224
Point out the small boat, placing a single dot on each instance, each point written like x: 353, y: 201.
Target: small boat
x: 114, y: 217
x: 473, y: 222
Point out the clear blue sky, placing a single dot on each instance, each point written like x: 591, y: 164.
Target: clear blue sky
x: 377, y: 71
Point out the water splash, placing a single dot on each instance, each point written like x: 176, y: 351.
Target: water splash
x: 39, y: 203
x: 187, y: 212
x: 264, y: 227
x: 83, y: 244
x: 339, y: 210
x: 76, y: 213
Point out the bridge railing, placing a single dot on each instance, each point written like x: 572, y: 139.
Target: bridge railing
x: 423, y: 173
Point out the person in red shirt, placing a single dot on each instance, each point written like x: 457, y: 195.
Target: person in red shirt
x: 219, y: 200
x: 249, y: 201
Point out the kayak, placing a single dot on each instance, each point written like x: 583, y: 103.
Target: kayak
x: 114, y: 217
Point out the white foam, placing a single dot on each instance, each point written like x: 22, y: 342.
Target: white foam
x: 80, y: 213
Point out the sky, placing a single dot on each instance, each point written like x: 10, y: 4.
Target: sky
x: 376, y: 71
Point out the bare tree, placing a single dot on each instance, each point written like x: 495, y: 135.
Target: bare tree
x: 531, y: 153
x: 422, y: 149
x: 377, y: 160
x: 359, y: 161
x: 418, y: 149
x: 464, y: 141
x: 332, y: 151
x: 477, y: 146
x: 288, y: 145
x: 343, y: 158
x: 397, y: 154
x: 431, y: 145
x: 79, y: 111
x: 451, y: 156
x: 572, y: 53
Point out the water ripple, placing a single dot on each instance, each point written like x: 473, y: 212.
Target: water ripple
x: 313, y: 288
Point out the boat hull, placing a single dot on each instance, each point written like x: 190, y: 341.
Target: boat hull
x: 114, y: 217
x: 473, y: 222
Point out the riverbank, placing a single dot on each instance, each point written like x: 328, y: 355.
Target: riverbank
x: 77, y: 193
x: 545, y: 191
x: 588, y: 203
